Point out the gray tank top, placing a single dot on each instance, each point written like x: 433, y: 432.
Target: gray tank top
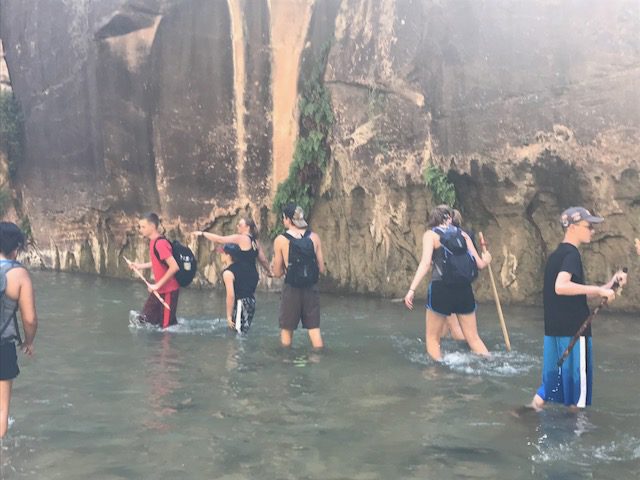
x: 8, y: 321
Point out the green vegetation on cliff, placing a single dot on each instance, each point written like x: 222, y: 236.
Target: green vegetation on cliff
x: 443, y: 191
x: 11, y: 130
x: 312, y: 149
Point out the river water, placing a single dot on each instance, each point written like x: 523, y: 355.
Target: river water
x: 101, y: 400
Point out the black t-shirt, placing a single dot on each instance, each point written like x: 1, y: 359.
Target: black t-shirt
x: 563, y: 314
x: 245, y: 279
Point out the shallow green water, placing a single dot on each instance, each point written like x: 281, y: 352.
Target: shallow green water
x: 103, y: 401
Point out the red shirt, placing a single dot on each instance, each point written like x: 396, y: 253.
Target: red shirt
x: 158, y: 267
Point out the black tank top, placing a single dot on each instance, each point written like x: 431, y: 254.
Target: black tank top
x: 245, y: 279
x: 249, y: 256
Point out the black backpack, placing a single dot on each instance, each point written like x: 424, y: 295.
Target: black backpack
x: 302, y: 270
x: 185, y: 259
x: 459, y: 266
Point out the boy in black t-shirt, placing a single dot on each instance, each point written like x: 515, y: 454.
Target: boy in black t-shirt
x: 565, y: 309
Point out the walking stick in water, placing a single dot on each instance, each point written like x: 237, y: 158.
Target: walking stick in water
x: 586, y: 324
x: 164, y: 304
x: 495, y: 296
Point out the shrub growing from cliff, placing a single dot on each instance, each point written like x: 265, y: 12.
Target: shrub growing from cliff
x: 11, y: 130
x: 443, y: 191
x: 312, y: 149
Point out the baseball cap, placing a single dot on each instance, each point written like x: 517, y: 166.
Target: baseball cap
x: 296, y: 214
x: 574, y: 215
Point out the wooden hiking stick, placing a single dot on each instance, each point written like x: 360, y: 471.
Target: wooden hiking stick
x: 638, y: 245
x: 495, y: 296
x: 164, y: 304
x: 586, y: 324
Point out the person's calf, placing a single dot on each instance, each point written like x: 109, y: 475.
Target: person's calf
x: 316, y: 339
x: 286, y: 338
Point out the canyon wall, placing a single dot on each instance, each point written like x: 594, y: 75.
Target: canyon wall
x: 189, y: 108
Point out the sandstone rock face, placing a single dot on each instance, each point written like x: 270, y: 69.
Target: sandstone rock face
x: 189, y: 108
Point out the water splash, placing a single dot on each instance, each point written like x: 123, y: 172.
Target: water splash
x: 191, y: 326
x: 564, y: 438
x: 500, y: 364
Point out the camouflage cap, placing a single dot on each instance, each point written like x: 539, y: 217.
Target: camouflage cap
x: 298, y: 218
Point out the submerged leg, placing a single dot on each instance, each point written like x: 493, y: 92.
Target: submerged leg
x: 434, y: 324
x: 316, y: 338
x: 286, y: 337
x: 470, y: 329
x: 453, y: 326
x: 5, y: 398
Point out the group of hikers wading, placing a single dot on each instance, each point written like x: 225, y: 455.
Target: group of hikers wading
x: 450, y: 304
x: 297, y: 256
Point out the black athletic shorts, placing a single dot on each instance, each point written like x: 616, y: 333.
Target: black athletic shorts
x: 446, y: 299
x: 8, y: 361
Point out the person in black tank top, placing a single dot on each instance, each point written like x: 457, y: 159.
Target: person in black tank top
x: 240, y: 279
x: 246, y: 238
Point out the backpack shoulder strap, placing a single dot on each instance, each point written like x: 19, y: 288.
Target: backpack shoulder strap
x: 155, y: 248
x: 307, y: 233
x: 288, y: 236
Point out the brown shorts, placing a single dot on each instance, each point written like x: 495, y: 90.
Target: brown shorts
x: 299, y: 304
x: 156, y: 314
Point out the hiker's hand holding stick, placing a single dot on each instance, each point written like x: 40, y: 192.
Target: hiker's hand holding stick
x: 495, y: 296
x: 638, y: 246
x: 134, y: 267
x: 618, y: 280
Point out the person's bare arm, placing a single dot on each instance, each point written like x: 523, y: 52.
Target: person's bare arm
x: 564, y: 286
x: 481, y: 261
x: 140, y: 266
x: 428, y: 244
x: 228, y: 278
x: 242, y: 240
x: 278, y: 264
x: 173, y: 269
x: 27, y: 306
x: 262, y: 259
x: 319, y: 256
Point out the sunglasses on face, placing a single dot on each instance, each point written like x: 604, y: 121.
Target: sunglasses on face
x: 589, y: 226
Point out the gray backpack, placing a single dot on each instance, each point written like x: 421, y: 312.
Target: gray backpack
x: 9, y: 330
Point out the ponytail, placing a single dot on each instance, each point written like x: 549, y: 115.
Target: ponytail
x: 253, y: 229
